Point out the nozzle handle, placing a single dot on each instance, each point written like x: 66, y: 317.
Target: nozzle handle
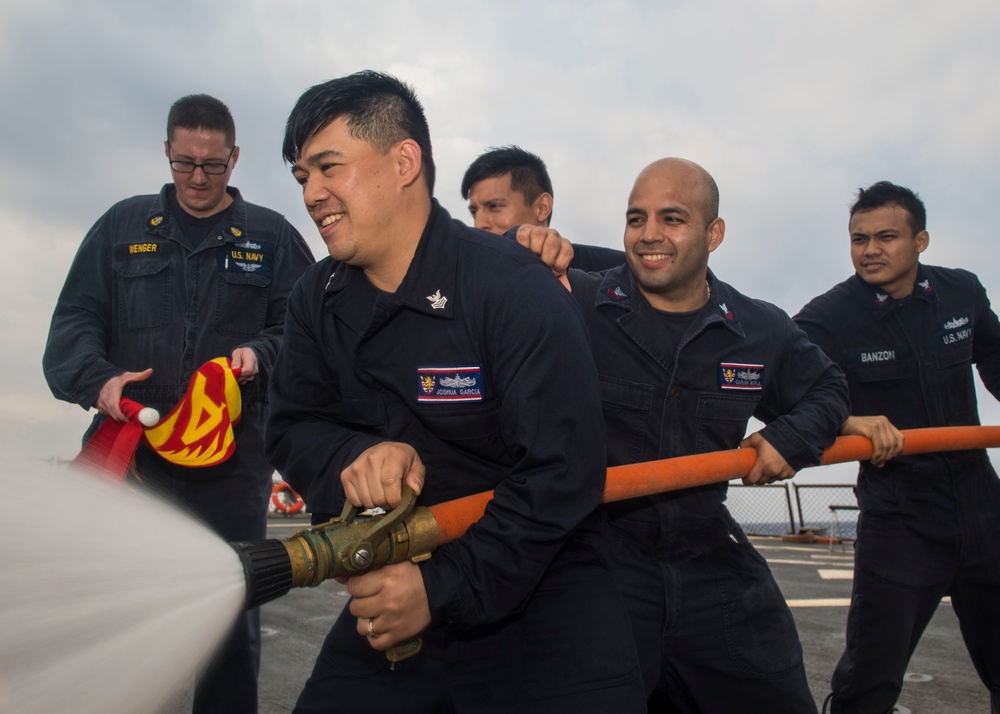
x: 404, y: 650
x: 359, y: 556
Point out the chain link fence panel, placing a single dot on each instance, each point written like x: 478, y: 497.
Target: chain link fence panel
x: 833, y: 507
x: 761, y: 510
x: 779, y: 509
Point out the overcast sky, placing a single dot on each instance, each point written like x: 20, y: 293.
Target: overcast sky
x: 791, y: 105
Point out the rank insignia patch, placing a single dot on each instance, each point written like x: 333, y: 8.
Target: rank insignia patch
x: 450, y: 384
x: 437, y: 300
x: 156, y: 221
x: 740, y: 376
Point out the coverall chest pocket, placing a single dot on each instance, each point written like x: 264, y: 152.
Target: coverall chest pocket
x: 958, y: 390
x: 872, y: 388
x: 245, y: 271
x: 143, y: 290
x: 474, y: 428
x: 241, y: 304
x: 722, y: 420
x: 626, y: 408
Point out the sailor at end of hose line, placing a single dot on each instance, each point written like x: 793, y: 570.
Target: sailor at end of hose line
x: 907, y: 335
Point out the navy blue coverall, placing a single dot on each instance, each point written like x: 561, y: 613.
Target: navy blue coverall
x: 929, y: 524
x: 595, y: 258
x: 137, y: 295
x: 713, y: 631
x: 480, y: 362
x: 588, y: 258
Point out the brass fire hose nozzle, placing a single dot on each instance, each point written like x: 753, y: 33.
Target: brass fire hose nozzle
x: 343, y: 546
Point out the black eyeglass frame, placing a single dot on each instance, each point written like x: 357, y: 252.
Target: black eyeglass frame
x: 217, y: 168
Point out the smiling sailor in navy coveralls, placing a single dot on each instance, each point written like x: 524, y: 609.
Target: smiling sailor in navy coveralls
x: 426, y: 352
x: 907, y: 335
x: 685, y: 360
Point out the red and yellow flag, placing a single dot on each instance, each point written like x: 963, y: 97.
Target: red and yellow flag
x: 199, y: 430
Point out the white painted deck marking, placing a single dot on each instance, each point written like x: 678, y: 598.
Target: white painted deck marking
x: 835, y: 574
x: 821, y: 602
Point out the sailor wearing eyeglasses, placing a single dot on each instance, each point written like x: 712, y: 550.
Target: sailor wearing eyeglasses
x: 160, y: 285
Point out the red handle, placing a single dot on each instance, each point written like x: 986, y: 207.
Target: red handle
x: 130, y: 408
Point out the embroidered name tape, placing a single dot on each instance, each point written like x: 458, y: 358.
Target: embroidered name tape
x: 450, y: 384
x: 141, y: 251
x: 740, y: 376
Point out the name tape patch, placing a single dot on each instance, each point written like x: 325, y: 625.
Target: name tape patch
x: 879, y: 355
x: 141, y: 250
x: 450, y: 384
x: 740, y: 376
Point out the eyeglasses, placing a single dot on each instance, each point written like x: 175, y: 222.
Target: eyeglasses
x: 212, y: 168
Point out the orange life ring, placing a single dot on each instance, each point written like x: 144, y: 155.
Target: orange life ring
x: 284, y: 499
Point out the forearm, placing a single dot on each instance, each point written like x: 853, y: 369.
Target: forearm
x: 810, y: 404
x: 75, y: 361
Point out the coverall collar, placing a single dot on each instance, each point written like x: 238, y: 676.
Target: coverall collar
x: 881, y: 303
x: 428, y: 286
x: 232, y: 227
x: 618, y: 288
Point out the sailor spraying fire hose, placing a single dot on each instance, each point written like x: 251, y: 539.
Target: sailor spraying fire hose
x: 348, y: 546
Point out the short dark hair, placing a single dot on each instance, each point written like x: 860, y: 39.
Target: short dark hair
x: 201, y: 111
x: 528, y: 174
x: 884, y: 193
x: 379, y: 109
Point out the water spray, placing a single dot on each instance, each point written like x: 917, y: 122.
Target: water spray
x: 111, y: 599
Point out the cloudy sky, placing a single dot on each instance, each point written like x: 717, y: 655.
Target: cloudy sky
x: 790, y: 104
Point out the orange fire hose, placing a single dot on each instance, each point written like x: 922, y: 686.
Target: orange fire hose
x: 642, y: 479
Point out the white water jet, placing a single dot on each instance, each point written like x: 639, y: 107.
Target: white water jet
x: 110, y: 599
